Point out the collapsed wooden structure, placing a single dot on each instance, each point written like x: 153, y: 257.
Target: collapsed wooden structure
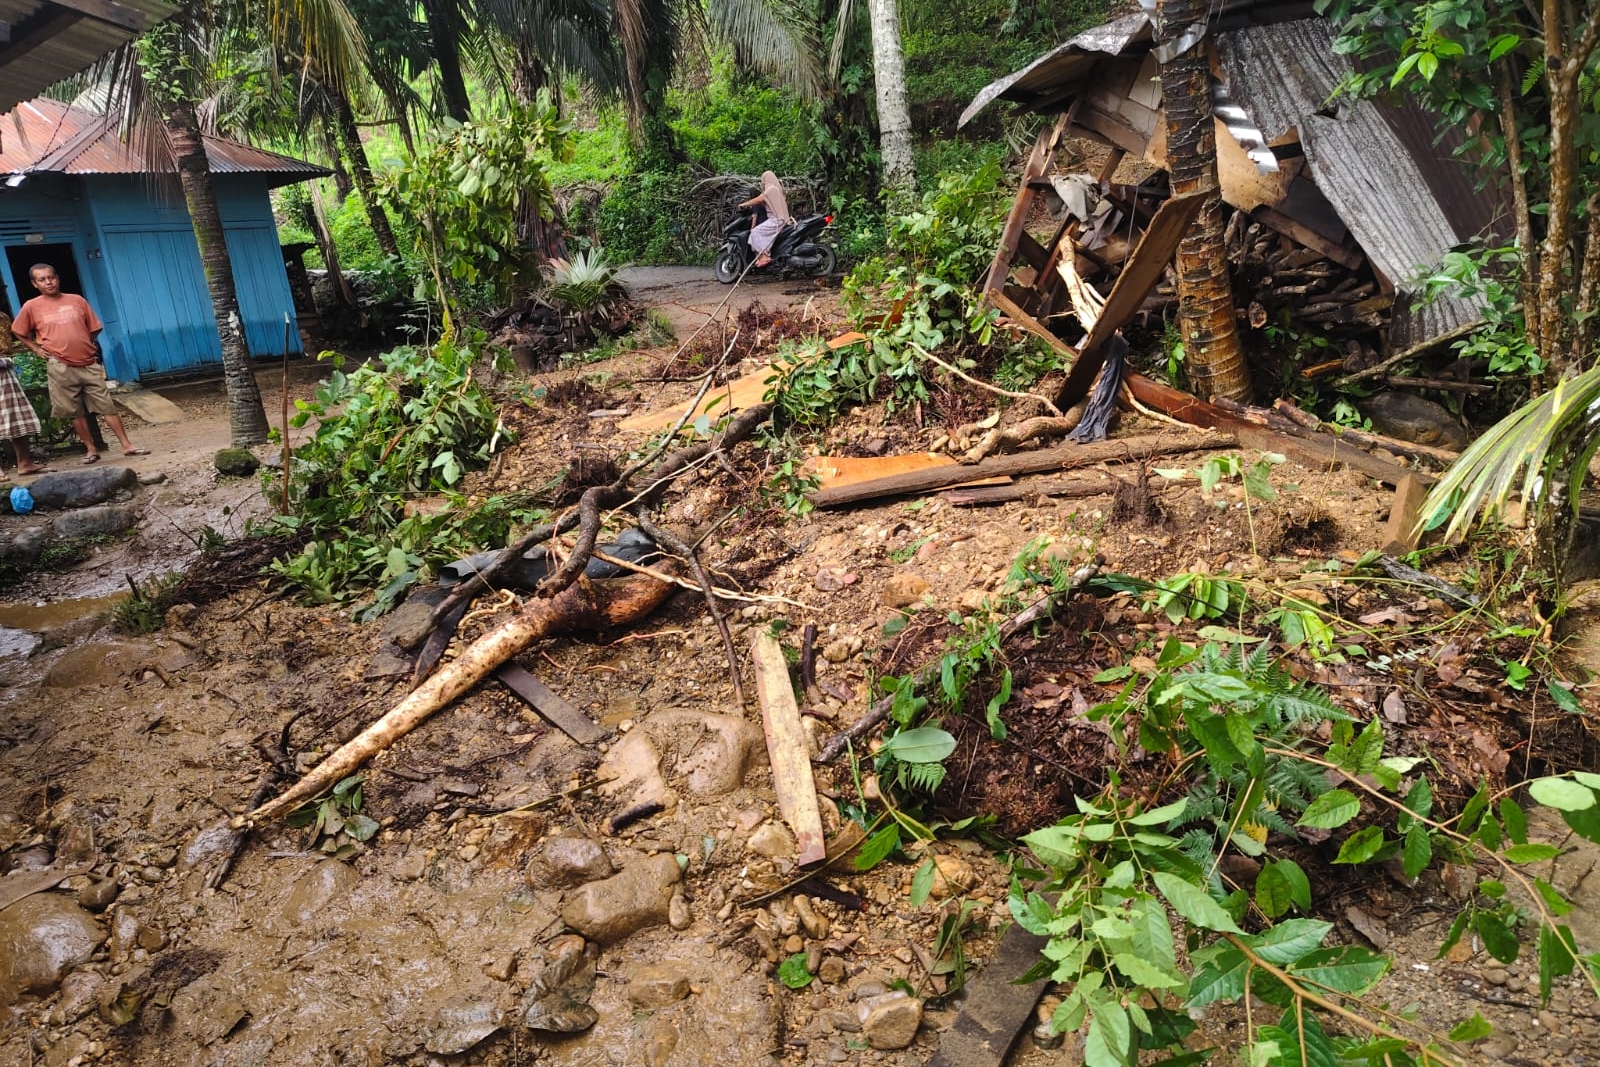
x: 1336, y: 205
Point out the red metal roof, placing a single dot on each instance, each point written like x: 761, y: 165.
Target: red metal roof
x: 47, y: 136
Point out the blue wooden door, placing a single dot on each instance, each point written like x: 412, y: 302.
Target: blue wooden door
x: 263, y: 289
x: 166, y: 312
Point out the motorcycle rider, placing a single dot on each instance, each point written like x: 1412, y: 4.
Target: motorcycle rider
x: 777, y: 208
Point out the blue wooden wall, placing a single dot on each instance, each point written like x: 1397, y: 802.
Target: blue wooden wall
x: 141, y: 269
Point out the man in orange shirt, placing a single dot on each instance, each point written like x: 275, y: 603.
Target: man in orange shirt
x: 61, y: 329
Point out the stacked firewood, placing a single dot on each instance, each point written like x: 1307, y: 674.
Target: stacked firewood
x: 1277, y: 272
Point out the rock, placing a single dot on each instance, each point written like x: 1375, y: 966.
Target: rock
x: 831, y: 970
x: 567, y: 861
x: 99, y: 663
x: 678, y: 914
x: 903, y: 590
x: 889, y: 1021
x: 95, y: 521
x: 658, y: 1039
x: 98, y: 894
x: 126, y: 932
x: 412, y: 866
x: 1495, y: 975
x: 324, y: 883
x: 714, y: 752
x: 152, y: 477
x: 24, y: 545
x: 42, y: 937
x: 81, y: 488
x: 236, y: 462
x: 80, y: 992
x: 772, y: 840
x: 1413, y: 418
x: 837, y: 651
x: 653, y: 986
x: 952, y: 876
x: 208, y: 843
x: 636, y: 897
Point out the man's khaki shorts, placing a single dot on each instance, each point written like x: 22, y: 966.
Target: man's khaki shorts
x: 68, y: 383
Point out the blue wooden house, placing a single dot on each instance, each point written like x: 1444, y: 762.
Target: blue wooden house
x: 73, y: 195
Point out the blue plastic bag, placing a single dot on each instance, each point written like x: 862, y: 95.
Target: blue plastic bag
x: 21, y: 500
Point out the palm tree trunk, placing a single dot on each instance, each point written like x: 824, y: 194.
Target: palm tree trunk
x: 247, y: 419
x: 1206, y: 320
x: 360, y: 170
x: 444, y: 23
x: 894, y: 113
x: 546, y: 236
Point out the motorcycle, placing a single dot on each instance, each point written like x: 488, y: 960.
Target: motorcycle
x: 794, y: 251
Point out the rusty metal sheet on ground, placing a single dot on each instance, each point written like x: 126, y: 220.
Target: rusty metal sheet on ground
x: 996, y: 1008
x: 562, y: 715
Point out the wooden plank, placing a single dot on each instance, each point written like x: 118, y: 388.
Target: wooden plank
x: 854, y: 337
x: 1143, y: 270
x: 40, y: 33
x: 786, y: 748
x: 1400, y: 534
x: 1277, y: 220
x: 996, y: 1008
x: 734, y: 396
x: 1062, y: 457
x: 560, y: 714
x: 834, y: 471
x: 151, y: 407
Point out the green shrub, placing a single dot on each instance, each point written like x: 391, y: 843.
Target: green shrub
x: 734, y: 128
x: 388, y: 435
x: 641, y: 219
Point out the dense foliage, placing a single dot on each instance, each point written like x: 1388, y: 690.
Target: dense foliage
x: 378, y: 486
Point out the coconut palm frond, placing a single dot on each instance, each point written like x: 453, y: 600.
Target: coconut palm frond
x: 774, y: 36
x: 324, y: 32
x: 1520, y: 454
x: 844, y: 29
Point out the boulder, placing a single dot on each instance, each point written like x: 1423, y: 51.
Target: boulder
x: 236, y: 462
x: 93, y: 521
x: 42, y: 937
x: 100, y: 663
x: 24, y: 545
x: 81, y: 488
x: 903, y: 590
x: 638, y: 896
x: 1413, y: 418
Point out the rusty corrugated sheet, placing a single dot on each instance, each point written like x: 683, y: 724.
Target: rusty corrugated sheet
x: 50, y: 137
x: 76, y: 44
x: 1286, y: 75
x: 1060, y: 69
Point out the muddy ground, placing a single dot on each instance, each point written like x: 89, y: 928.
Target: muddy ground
x: 123, y: 757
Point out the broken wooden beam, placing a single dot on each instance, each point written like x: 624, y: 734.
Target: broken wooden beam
x: 1002, y: 494
x: 1343, y: 255
x: 786, y: 748
x: 1143, y: 270
x: 1402, y: 531
x: 549, y: 704
x: 1298, y: 415
x: 1062, y: 457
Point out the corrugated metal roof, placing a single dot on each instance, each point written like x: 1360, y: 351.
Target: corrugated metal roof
x: 51, y: 42
x: 47, y: 136
x: 1286, y: 76
x: 1063, y: 67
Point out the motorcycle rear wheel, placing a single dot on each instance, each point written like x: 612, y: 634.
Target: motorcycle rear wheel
x: 826, y: 261
x: 727, y: 267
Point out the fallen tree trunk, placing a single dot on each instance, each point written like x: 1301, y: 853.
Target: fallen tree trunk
x: 582, y: 605
x: 1063, y: 457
